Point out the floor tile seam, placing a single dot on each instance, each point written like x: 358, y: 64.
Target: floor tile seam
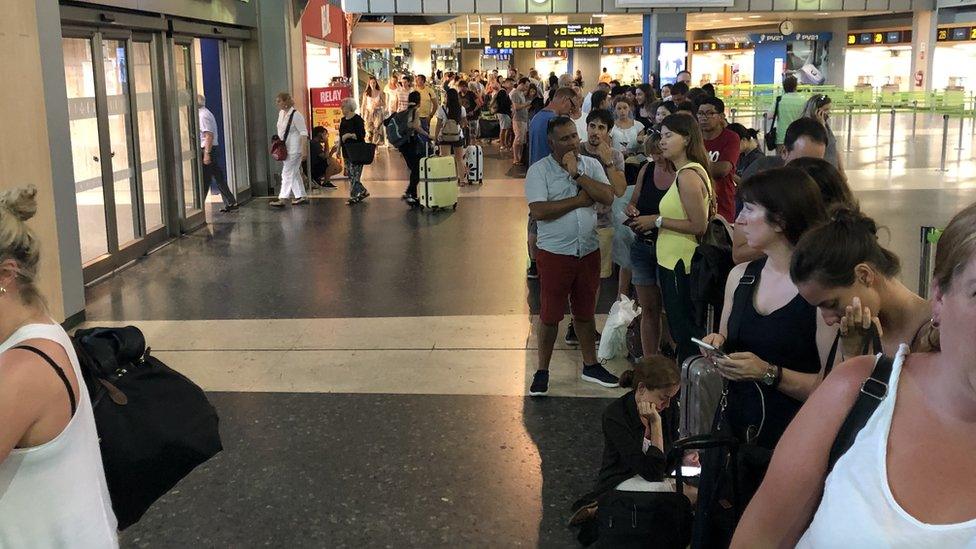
x: 523, y: 396
x: 352, y: 349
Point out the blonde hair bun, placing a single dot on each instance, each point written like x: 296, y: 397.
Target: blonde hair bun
x: 21, y: 201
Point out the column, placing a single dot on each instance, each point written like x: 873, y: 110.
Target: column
x: 660, y: 27
x: 421, y: 58
x: 924, y: 29
x: 36, y: 147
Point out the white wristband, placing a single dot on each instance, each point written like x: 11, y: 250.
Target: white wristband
x: 659, y: 222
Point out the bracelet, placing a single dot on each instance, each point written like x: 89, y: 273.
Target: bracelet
x: 779, y: 377
x: 659, y: 222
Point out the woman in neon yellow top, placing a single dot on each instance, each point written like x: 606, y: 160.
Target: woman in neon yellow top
x: 683, y: 218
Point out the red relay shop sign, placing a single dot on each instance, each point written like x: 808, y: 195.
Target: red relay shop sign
x: 327, y: 108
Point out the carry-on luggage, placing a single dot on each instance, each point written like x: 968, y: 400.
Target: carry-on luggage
x: 438, y: 183
x: 701, y: 392
x: 474, y: 163
x: 154, y: 425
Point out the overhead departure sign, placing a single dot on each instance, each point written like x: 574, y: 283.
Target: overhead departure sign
x: 559, y: 31
x: 519, y: 36
x: 879, y: 38
x: 577, y: 42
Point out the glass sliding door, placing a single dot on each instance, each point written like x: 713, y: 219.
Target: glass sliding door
x: 115, y: 58
x: 143, y: 76
x: 111, y: 88
x: 79, y: 75
x: 236, y: 122
x: 192, y: 202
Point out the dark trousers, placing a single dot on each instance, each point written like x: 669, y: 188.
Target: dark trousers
x: 411, y: 153
x: 676, y: 294
x: 213, y: 171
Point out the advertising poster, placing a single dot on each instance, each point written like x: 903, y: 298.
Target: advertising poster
x: 327, y: 109
x: 672, y: 59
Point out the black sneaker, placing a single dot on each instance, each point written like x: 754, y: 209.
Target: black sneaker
x: 596, y: 373
x: 540, y: 383
x: 532, y: 273
x: 571, y: 338
x: 329, y: 186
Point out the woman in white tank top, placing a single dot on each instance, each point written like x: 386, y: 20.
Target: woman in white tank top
x: 52, y: 484
x: 907, y: 481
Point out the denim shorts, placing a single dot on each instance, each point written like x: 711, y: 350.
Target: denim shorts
x: 643, y: 259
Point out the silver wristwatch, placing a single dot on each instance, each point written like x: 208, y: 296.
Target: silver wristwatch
x: 769, y: 377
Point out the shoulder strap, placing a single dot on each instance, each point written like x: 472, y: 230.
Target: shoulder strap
x: 874, y: 390
x: 57, y: 370
x: 776, y: 111
x: 288, y: 127
x: 870, y: 339
x: 743, y: 296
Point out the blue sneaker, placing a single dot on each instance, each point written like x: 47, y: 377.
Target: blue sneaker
x: 596, y: 373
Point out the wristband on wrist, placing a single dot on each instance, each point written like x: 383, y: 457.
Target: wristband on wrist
x: 659, y: 222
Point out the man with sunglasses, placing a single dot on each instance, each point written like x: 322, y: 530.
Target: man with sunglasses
x: 722, y: 145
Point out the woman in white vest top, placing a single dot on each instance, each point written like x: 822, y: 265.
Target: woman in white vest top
x: 907, y: 480
x: 52, y: 484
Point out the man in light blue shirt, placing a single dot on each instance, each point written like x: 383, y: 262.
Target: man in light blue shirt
x: 561, y: 190
x: 563, y: 103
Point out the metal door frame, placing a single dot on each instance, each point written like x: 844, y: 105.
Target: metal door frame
x: 188, y: 221
x: 237, y: 141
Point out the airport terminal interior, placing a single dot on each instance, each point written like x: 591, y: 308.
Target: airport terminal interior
x: 371, y: 359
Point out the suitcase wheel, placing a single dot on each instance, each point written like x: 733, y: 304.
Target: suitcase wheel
x: 454, y: 207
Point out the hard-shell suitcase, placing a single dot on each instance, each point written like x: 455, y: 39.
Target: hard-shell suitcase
x: 438, y: 182
x: 474, y: 163
x: 701, y: 393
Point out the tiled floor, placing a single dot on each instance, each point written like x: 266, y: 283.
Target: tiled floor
x: 370, y: 362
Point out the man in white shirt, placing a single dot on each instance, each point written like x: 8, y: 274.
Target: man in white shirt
x: 209, y: 143
x: 561, y: 190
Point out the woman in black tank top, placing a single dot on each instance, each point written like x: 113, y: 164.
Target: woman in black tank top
x: 646, y: 200
x: 776, y: 342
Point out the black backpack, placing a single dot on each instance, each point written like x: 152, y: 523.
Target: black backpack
x: 398, y: 130
x: 154, y: 425
x: 710, y: 267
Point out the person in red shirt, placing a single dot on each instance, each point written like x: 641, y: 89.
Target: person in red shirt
x: 722, y: 145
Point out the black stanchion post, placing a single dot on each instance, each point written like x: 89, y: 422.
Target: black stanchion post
x: 850, y: 126
x: 891, y: 140
x: 945, y: 141
x: 925, y: 264
x: 914, y: 116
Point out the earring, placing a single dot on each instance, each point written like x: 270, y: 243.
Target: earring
x: 935, y: 323
x: 2, y: 290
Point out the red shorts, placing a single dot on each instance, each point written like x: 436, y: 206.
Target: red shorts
x: 566, y: 276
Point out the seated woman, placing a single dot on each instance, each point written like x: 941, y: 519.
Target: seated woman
x: 635, y: 443
x: 906, y: 481
x: 856, y: 286
x: 777, y: 345
x: 52, y: 484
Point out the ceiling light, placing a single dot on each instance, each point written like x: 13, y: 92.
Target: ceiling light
x: 824, y: 13
x: 599, y: 15
x: 493, y: 18
x: 755, y: 17
x: 736, y: 18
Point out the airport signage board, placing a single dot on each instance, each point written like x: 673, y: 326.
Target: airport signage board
x: 705, y: 47
x: 546, y: 36
x: 623, y: 50
x: 795, y: 37
x: 519, y: 36
x: 879, y: 38
x: 956, y: 34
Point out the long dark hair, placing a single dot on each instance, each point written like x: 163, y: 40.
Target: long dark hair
x: 452, y: 105
x: 834, y: 189
x: 599, y: 96
x: 791, y: 199
x: 829, y: 252
x: 649, y: 99
x: 685, y: 125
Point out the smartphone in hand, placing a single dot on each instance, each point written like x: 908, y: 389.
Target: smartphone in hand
x: 710, y: 348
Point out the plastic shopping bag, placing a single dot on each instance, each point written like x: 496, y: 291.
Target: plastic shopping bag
x: 613, y: 343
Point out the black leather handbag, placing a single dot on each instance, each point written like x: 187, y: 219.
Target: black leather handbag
x: 154, y: 425
x: 360, y: 153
